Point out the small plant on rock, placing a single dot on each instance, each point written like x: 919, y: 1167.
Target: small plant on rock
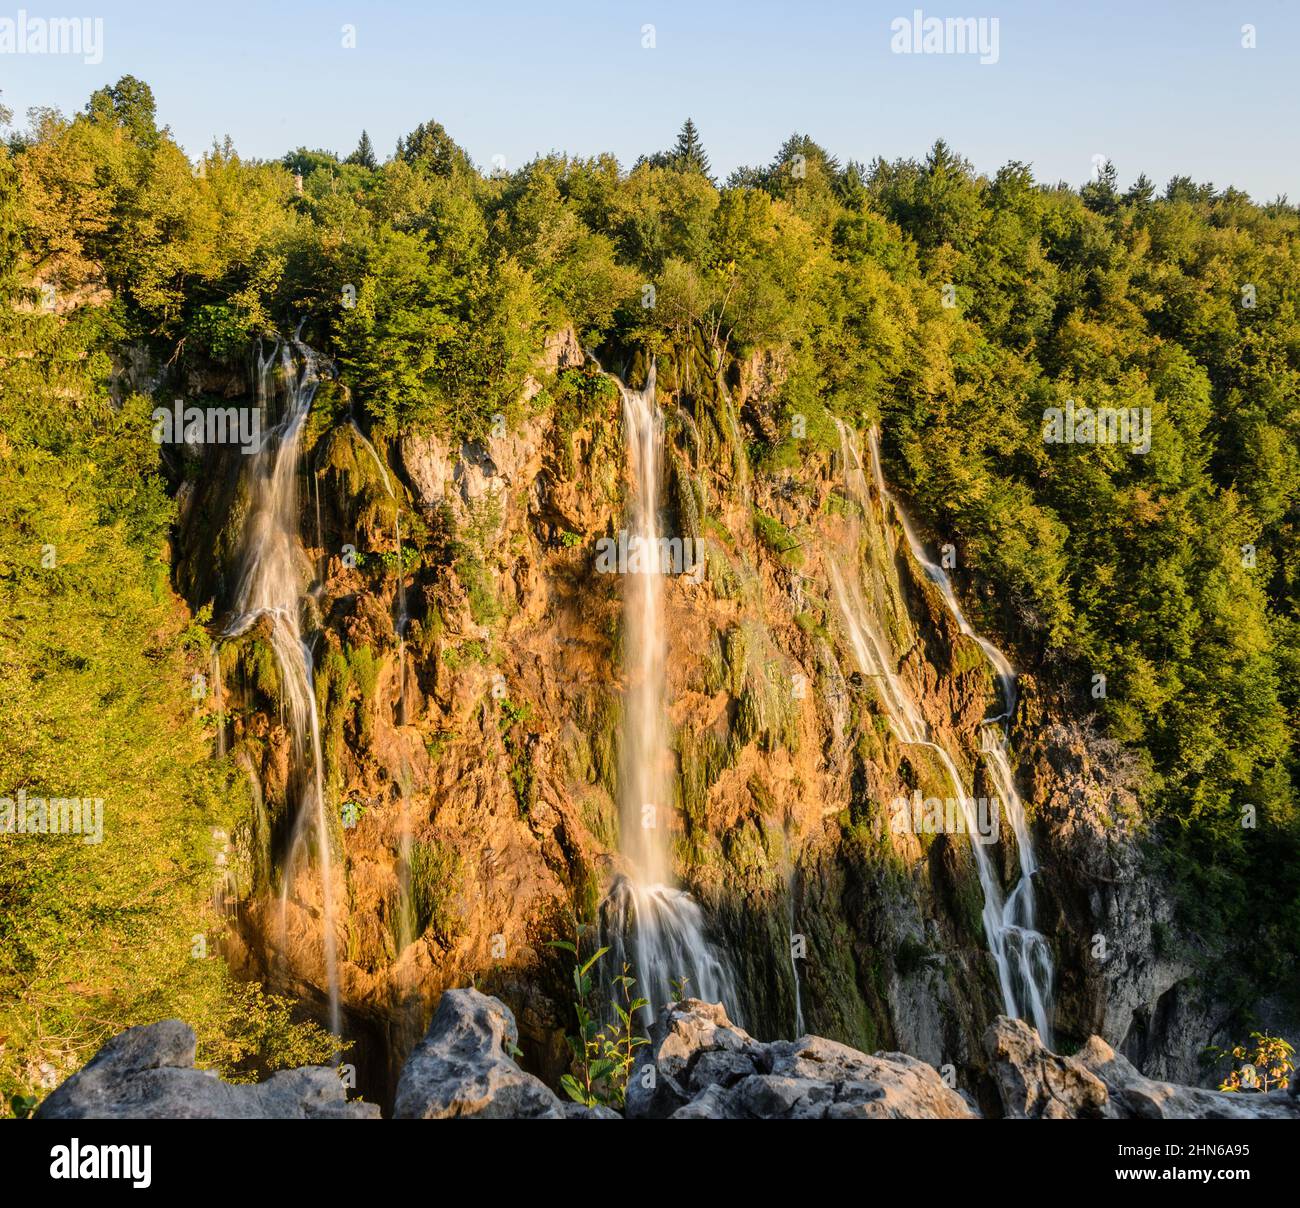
x: 603, y: 1050
x: 1266, y: 1064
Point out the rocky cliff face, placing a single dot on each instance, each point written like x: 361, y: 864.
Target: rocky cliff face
x: 471, y: 754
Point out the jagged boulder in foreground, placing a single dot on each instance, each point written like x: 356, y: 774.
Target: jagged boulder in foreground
x: 698, y: 1066
x: 148, y: 1073
x: 1098, y: 1083
x: 706, y: 1068
x: 464, y: 1068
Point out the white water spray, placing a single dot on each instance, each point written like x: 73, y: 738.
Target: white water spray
x: 665, y: 924
x: 272, y: 574
x: 1020, y: 953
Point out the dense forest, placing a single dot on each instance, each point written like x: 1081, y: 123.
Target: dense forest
x: 1158, y: 590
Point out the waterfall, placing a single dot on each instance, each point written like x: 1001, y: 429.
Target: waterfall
x: 1020, y: 953
x: 794, y: 962
x: 272, y: 572
x: 665, y: 924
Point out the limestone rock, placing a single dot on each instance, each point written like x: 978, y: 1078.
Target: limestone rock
x: 1142, y: 1098
x: 706, y: 1068
x: 147, y: 1073
x: 463, y: 1067
x: 1035, y: 1084
x: 1099, y: 1083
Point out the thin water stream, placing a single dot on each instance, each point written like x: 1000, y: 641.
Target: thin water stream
x: 1020, y: 952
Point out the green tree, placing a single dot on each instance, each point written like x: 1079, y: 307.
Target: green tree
x: 364, y: 155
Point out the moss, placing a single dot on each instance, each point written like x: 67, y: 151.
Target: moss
x: 513, y: 724
x: 720, y: 440
x: 435, y: 877
x: 472, y: 548
x: 688, y: 497
x: 715, y: 675
x: 701, y: 759
x: 967, y: 656
x: 813, y: 625
x: 359, y: 489
x: 603, y: 737
x: 736, y: 652
x: 968, y: 897
x: 365, y: 674
x: 766, y: 712
x: 911, y: 956
x: 250, y: 661
x: 786, y: 545
x: 333, y: 682
x: 748, y: 849
x: 721, y: 574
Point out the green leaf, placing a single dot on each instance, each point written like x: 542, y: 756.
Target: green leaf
x: 576, y: 1091
x: 594, y: 958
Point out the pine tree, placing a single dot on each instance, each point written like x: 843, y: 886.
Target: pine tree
x: 688, y: 153
x: 429, y: 145
x: 364, y: 154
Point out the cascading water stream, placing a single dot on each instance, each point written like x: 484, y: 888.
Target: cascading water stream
x: 1028, y: 955
x: 1020, y: 953
x: 665, y: 925
x: 794, y: 961
x: 272, y: 573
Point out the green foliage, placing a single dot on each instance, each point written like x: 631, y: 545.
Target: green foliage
x: 261, y: 1033
x: 432, y: 286
x: 431, y: 895
x: 95, y: 700
x: 1266, y: 1064
x: 603, y: 1050
x: 513, y: 725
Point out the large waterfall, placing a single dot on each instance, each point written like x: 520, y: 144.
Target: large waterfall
x: 1020, y: 953
x: 664, y: 924
x: 273, y: 572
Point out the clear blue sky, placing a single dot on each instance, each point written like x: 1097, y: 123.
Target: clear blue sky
x: 1161, y: 86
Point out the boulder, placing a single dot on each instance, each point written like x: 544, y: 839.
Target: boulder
x: 1141, y: 1098
x: 706, y: 1068
x: 147, y: 1073
x: 465, y: 1068
x: 1098, y: 1083
x: 1035, y: 1084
